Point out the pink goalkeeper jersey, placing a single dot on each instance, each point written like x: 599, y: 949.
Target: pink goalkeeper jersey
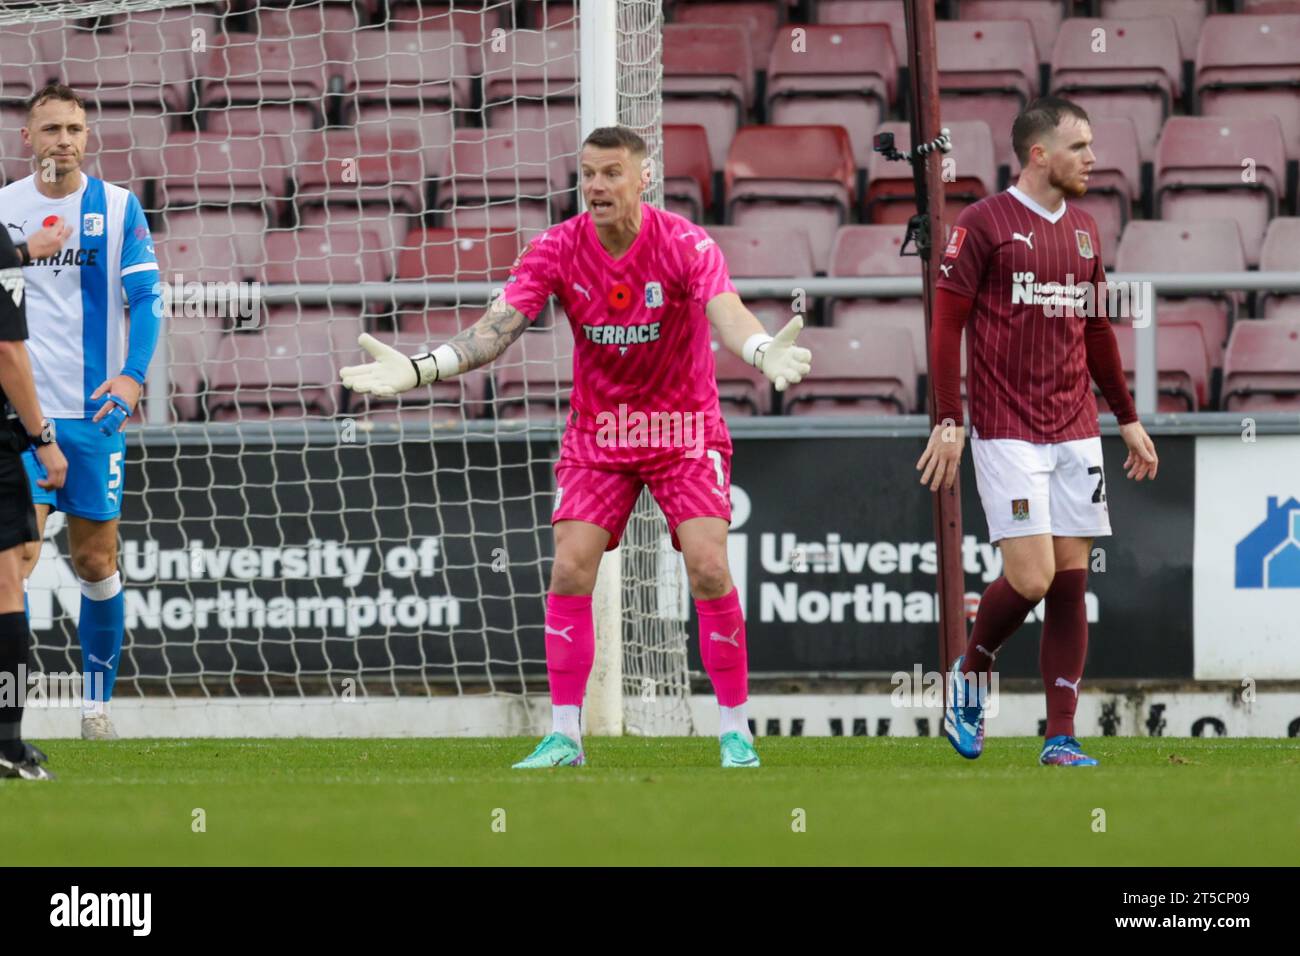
x: 641, y: 336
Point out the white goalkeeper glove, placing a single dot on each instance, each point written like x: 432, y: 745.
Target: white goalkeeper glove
x: 392, y: 372
x: 778, y: 357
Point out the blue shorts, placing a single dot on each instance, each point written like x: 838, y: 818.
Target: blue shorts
x: 96, y: 471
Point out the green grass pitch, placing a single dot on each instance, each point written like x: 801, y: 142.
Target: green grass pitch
x: 865, y: 801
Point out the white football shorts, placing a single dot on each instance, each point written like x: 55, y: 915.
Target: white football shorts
x: 1057, y: 489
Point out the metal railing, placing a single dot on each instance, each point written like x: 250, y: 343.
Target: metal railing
x: 473, y: 294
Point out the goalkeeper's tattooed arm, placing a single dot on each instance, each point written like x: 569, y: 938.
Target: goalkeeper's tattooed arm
x: 486, y: 339
x: 392, y: 372
x: 740, y: 332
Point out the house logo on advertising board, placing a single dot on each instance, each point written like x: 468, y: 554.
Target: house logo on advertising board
x: 1269, y: 556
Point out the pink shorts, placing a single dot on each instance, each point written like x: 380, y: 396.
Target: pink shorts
x: 600, y: 485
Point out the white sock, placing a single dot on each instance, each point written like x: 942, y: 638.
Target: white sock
x: 566, y: 719
x: 734, y: 720
x: 91, y: 708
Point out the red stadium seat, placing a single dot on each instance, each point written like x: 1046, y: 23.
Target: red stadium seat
x: 167, y: 36
x: 1250, y: 66
x: 1182, y: 383
x: 407, y: 79
x: 855, y: 373
x: 535, y: 378
x: 758, y: 253
x: 1140, y: 75
x: 123, y: 93
x: 435, y: 325
x: 1116, y: 181
x: 314, y: 254
x: 889, y: 12
x: 493, y: 175
x: 15, y: 155
x: 472, y: 25
x: 758, y: 19
x: 1194, y: 247
x: 318, y: 19
x: 708, y: 81
x: 374, y: 178
x: 427, y: 67
x: 240, y: 230
x: 532, y: 83
x: 282, y: 371
x: 209, y: 169
x: 688, y: 172
x: 39, y: 44
x: 1188, y: 16
x: 113, y: 157
x: 792, y: 177
x: 1199, y: 173
x: 891, y: 193
x: 192, y: 345
x: 1262, y: 369
x: 1281, y: 253
x: 553, y: 13
x: 204, y: 258
x: 872, y: 252
x: 833, y: 75
x: 292, y: 130
x: 470, y: 255
x: 742, y: 389
x: 988, y: 71
x: 285, y: 78
x: 1043, y: 16
x: 21, y: 66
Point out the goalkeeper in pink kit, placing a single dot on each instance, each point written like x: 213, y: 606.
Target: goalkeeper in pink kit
x: 641, y: 288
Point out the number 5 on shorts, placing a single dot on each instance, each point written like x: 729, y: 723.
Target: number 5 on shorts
x: 114, y: 475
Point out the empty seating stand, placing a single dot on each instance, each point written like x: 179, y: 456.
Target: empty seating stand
x: 872, y: 252
x: 708, y: 81
x: 1222, y: 167
x: 1281, y: 253
x: 1262, y: 368
x: 688, y: 172
x: 988, y: 71
x: 855, y: 372
x: 1250, y: 66
x: 1138, y: 75
x: 845, y: 75
x: 792, y: 176
x: 1192, y: 247
x: 759, y: 252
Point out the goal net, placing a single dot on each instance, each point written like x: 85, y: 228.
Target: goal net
x: 311, y: 171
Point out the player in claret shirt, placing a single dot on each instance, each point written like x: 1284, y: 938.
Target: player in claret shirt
x: 1012, y: 263
x: 641, y: 288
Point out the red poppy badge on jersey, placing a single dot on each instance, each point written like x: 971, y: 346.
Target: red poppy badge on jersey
x: 1084, y: 240
x: 49, y: 221
x: 955, y: 240
x: 620, y: 297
